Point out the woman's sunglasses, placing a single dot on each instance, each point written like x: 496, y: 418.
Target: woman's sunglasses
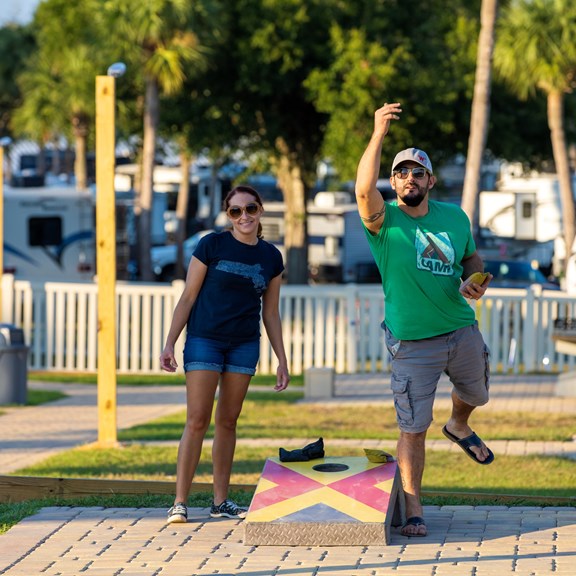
x: 235, y: 212
x: 402, y: 173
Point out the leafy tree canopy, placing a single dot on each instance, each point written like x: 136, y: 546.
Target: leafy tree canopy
x: 383, y: 53
x: 17, y: 42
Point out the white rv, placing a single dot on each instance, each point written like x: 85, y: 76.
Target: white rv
x: 49, y: 234
x: 525, y: 216
x: 523, y: 208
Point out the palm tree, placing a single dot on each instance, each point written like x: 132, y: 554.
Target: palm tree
x: 59, y: 100
x: 158, y: 39
x: 58, y: 80
x: 38, y: 117
x: 19, y: 43
x: 182, y: 210
x: 480, y: 109
x: 536, y: 51
x: 76, y: 85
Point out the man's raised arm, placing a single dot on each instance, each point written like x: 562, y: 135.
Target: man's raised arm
x: 370, y: 202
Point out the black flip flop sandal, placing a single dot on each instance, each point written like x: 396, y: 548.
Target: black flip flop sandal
x: 467, y: 443
x: 414, y: 521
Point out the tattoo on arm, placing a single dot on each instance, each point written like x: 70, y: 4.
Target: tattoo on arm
x: 374, y: 217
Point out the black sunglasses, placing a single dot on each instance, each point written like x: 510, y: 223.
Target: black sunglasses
x: 235, y: 212
x: 402, y: 173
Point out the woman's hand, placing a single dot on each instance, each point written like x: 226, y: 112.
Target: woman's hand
x: 282, y: 378
x: 167, y: 360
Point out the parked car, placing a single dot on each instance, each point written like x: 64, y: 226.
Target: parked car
x: 164, y: 257
x: 516, y: 274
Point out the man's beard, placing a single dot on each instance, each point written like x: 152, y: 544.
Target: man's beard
x: 415, y: 197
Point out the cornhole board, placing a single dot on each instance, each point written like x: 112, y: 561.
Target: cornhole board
x: 332, y: 501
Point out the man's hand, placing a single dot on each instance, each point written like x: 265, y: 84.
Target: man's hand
x: 384, y: 115
x: 371, y: 207
x: 474, y: 290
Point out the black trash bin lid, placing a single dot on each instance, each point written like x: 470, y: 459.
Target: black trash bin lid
x: 10, y: 335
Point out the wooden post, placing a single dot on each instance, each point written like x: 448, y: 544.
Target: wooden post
x: 106, y: 259
x: 1, y: 224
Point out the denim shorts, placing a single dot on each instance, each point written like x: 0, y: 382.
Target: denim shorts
x: 418, y: 364
x: 207, y: 354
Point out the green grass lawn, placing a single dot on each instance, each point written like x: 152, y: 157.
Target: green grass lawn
x: 267, y: 415
x: 37, y: 397
x: 122, y: 379
x: 450, y: 472
x: 143, y: 380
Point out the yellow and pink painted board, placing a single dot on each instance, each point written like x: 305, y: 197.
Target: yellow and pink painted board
x: 325, y: 502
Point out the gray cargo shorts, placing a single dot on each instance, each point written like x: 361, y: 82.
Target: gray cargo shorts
x: 418, y: 364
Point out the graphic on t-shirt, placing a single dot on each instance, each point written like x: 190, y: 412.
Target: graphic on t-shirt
x: 434, y: 252
x: 250, y: 271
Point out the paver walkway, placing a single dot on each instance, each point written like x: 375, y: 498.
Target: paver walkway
x: 32, y: 433
x: 463, y: 540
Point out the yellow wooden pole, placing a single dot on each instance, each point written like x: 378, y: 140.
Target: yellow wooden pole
x: 106, y: 259
x: 1, y: 225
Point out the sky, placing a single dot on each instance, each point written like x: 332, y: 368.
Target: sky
x: 19, y: 11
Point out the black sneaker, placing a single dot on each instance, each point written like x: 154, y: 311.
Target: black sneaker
x: 228, y: 509
x: 178, y: 513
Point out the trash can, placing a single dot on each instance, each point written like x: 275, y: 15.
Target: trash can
x: 13, y: 365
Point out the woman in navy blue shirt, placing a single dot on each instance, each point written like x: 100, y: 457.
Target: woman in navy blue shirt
x: 233, y: 280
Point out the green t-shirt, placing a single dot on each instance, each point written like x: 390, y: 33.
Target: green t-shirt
x: 419, y: 260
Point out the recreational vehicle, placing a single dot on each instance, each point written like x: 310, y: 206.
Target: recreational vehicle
x: 49, y: 233
x: 523, y: 219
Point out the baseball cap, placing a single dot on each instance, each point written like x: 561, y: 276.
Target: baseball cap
x: 413, y: 155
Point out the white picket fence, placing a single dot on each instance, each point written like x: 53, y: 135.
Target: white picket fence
x: 324, y: 326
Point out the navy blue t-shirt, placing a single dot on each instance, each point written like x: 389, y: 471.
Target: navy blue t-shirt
x: 228, y: 305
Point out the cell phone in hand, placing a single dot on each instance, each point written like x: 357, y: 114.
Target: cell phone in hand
x: 477, y: 277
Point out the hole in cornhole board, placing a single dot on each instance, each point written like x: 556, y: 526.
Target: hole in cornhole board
x: 329, y: 467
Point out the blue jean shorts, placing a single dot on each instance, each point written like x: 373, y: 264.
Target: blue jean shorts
x: 208, y: 354
x: 418, y: 364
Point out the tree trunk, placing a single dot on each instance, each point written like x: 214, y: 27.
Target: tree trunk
x: 214, y: 208
x: 80, y: 163
x: 480, y: 111
x: 56, y: 164
x: 80, y: 128
x: 182, y: 213
x: 151, y: 118
x: 7, y: 164
x: 560, y: 151
x: 68, y: 162
x: 41, y: 159
x: 291, y: 182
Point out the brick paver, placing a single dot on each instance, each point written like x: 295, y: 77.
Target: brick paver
x: 463, y: 540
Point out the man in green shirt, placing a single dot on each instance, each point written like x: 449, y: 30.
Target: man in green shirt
x: 423, y: 250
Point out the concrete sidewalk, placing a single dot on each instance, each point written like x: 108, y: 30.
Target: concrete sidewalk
x: 463, y: 540
x: 30, y: 434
